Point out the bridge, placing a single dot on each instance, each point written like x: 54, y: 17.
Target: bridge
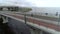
x: 9, y: 8
x: 36, y: 25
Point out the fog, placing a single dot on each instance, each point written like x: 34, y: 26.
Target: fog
x: 46, y: 10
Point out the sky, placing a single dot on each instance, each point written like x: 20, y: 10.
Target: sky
x: 32, y: 3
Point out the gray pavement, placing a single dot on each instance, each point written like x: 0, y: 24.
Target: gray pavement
x: 18, y: 27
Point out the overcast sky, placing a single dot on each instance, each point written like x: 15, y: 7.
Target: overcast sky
x: 36, y: 3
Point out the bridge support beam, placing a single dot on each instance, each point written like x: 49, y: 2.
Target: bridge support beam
x: 5, y: 19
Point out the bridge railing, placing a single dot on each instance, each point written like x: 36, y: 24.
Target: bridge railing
x: 38, y: 19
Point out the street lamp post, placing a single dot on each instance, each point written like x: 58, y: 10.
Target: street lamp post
x: 25, y: 17
x: 59, y: 21
x: 24, y: 11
